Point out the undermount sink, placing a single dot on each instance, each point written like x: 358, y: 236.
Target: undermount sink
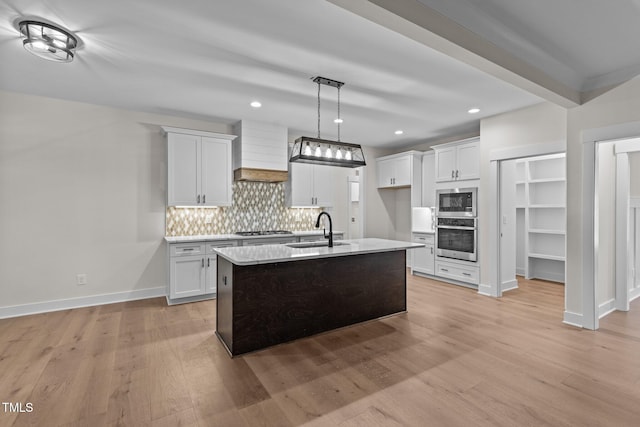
x: 320, y: 244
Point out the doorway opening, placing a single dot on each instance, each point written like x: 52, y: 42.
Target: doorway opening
x: 532, y: 219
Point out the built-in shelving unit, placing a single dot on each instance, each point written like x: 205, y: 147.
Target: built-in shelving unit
x: 541, y: 217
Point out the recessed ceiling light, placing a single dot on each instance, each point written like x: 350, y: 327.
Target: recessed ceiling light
x: 399, y: 132
x: 474, y: 111
x: 256, y: 104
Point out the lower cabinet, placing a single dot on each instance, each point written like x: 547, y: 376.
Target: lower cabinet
x: 423, y: 259
x: 192, y: 270
x: 458, y: 272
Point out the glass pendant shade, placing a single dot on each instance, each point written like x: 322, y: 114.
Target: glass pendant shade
x: 48, y: 41
x: 353, y: 155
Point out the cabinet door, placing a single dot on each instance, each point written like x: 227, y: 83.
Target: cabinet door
x: 301, y: 184
x: 186, y: 276
x: 183, y: 169
x: 430, y: 264
x: 445, y: 164
x: 211, y: 265
x: 468, y: 158
x: 323, y: 185
x: 216, y: 172
x: 402, y: 171
x: 385, y: 173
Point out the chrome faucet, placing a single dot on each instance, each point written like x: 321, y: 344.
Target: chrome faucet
x: 324, y: 231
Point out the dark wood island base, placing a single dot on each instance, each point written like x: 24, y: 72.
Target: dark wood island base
x: 262, y: 305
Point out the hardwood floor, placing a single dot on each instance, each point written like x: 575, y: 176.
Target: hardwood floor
x: 455, y: 359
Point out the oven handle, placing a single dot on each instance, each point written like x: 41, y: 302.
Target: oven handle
x: 449, y: 227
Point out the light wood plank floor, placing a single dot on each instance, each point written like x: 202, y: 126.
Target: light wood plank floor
x: 455, y: 359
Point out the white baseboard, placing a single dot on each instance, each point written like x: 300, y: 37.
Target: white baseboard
x: 485, y: 290
x: 66, y: 304
x: 634, y: 293
x: 509, y: 285
x: 573, y: 319
x: 606, y: 308
x: 520, y: 271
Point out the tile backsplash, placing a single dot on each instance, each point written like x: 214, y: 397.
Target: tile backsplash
x: 255, y: 206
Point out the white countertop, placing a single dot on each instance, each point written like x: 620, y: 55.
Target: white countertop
x: 249, y: 255
x: 219, y: 237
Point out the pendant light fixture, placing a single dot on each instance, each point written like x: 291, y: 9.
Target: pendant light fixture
x: 48, y: 41
x: 324, y: 151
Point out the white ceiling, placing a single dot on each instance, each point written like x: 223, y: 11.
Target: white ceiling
x: 209, y: 59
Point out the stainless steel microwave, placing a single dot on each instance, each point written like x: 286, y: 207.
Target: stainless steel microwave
x: 457, y: 202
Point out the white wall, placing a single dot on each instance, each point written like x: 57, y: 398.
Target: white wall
x: 606, y: 215
x: 618, y: 106
x: 82, y: 190
x: 379, y: 205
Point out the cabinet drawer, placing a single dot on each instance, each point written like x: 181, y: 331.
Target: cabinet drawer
x: 457, y: 272
x: 224, y: 244
x: 427, y: 239
x: 186, y: 249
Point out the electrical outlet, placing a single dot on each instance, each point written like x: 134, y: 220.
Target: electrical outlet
x: 208, y: 219
x: 81, y: 279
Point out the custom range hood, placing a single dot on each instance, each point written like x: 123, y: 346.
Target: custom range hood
x: 325, y: 151
x: 260, y: 152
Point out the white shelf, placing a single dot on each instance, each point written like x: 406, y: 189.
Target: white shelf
x: 541, y: 202
x: 546, y: 231
x: 546, y: 256
x: 547, y: 206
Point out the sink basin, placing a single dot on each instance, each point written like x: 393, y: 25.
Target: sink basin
x: 320, y: 244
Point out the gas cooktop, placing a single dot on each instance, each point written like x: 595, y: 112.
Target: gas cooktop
x: 262, y: 232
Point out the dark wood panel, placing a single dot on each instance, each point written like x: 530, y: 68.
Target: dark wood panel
x: 275, y: 303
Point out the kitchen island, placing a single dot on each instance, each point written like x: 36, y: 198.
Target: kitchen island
x: 272, y: 294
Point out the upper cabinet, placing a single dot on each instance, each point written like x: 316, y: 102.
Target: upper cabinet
x: 402, y: 170
x: 457, y: 161
x: 199, y: 168
x: 428, y: 179
x: 310, y: 185
x: 399, y: 170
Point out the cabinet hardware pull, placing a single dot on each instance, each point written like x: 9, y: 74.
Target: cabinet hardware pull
x: 187, y: 249
x: 452, y: 173
x: 444, y: 269
x: 224, y: 280
x: 431, y: 251
x: 202, y: 262
x: 467, y: 274
x: 208, y: 262
x: 198, y: 199
x: 457, y: 173
x: 204, y: 196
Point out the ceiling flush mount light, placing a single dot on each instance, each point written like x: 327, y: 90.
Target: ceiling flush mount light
x: 48, y: 41
x: 256, y: 104
x: 473, y: 111
x: 325, y: 151
x: 399, y: 132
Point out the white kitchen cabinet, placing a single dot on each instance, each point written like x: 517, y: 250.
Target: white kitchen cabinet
x: 457, y: 161
x: 192, y: 270
x: 459, y: 273
x: 211, y: 265
x: 310, y: 185
x: 395, y: 171
x: 402, y: 170
x: 423, y: 259
x: 199, y: 168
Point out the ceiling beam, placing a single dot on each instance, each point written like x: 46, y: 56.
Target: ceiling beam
x: 429, y: 27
